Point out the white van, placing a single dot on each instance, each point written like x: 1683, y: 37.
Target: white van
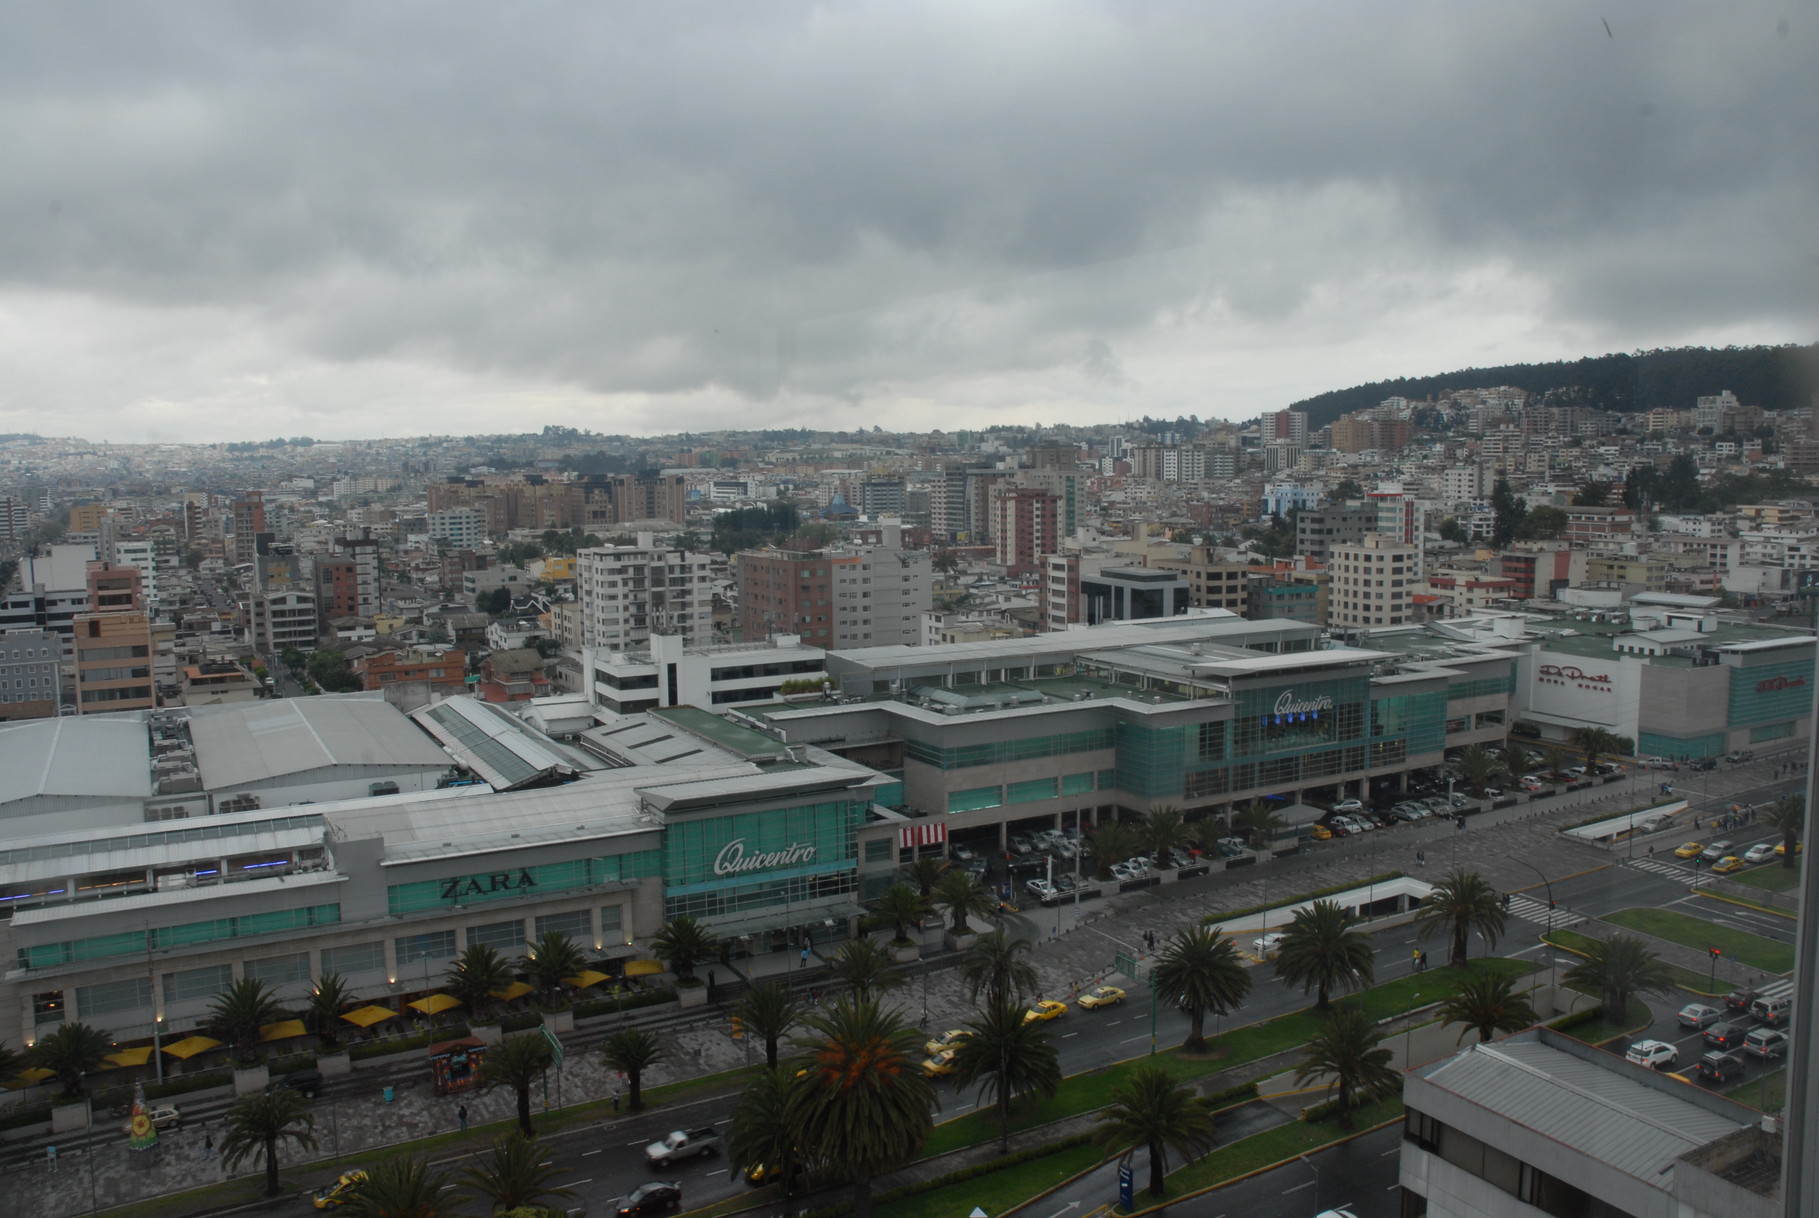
x: 1772, y: 1011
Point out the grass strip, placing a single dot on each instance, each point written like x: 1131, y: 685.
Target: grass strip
x: 1766, y: 1092
x: 1752, y: 950
x: 1770, y: 876
x: 997, y: 1191
x: 1083, y: 1093
x: 1273, y: 1146
x: 1686, y: 978
x: 1602, y: 1031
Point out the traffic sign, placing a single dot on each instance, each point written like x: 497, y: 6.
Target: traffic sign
x: 555, y: 1047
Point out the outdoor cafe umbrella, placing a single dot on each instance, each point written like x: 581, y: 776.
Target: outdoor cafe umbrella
x: 284, y: 1029
x: 367, y: 1016
x: 585, y: 978
x: 189, y: 1046
x: 434, y: 1004
x: 137, y: 1056
x: 516, y: 989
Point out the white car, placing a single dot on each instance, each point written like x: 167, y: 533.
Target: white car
x: 1122, y: 872
x: 1349, y: 805
x: 1761, y: 852
x: 1267, y: 945
x: 1652, y: 1053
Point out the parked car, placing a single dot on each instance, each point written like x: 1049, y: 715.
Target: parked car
x: 1177, y: 857
x: 1766, y: 1043
x: 1698, y: 1016
x: 977, y: 867
x: 961, y: 854
x: 1460, y: 801
x: 1066, y: 885
x: 1349, y: 805
x: 1320, y: 833
x: 1761, y: 852
x: 1652, y: 1053
x: 1122, y: 872
x: 1726, y: 1035
x: 1531, y: 782
x: 1139, y: 864
x: 1719, y: 1067
x: 1715, y: 851
x: 652, y: 1198
x: 1041, y: 889
x: 1021, y: 843
x: 1061, y: 848
x: 162, y: 1116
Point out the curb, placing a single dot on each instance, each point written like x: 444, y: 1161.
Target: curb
x: 1742, y: 904
x: 1563, y: 878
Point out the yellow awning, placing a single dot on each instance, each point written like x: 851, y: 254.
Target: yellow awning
x: 516, y: 989
x: 189, y: 1046
x: 37, y: 1074
x: 643, y: 968
x: 284, y: 1029
x: 434, y: 1004
x: 131, y: 1057
x: 585, y: 978
x: 366, y: 1017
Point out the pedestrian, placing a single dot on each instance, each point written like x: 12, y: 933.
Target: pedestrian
x: 461, y: 1115
x: 710, y: 980
x: 1414, y: 961
x: 1421, y: 858
x: 805, y: 957
x: 208, y: 1143
x: 50, y: 1159
x: 1423, y: 954
x: 615, y: 1099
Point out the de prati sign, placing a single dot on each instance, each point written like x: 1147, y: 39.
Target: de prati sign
x: 734, y: 859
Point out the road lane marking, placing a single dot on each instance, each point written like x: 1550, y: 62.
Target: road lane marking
x: 589, y: 1180
x: 1394, y: 1150
x: 1297, y: 1188
x: 586, y: 1153
x: 718, y: 1171
x: 1066, y: 1035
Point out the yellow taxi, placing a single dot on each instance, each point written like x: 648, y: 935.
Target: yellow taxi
x: 334, y: 1196
x: 1689, y: 850
x: 1322, y: 834
x: 1782, y: 848
x: 940, y: 1065
x: 949, y: 1039
x: 1044, y: 1011
x: 1727, y: 864
x: 1101, y: 996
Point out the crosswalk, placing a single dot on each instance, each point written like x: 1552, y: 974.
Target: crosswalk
x: 1530, y: 910
x: 1673, y: 871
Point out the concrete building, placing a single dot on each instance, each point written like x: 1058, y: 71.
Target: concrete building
x: 670, y: 673
x: 1213, y: 583
x: 1318, y: 530
x: 629, y: 593
x: 113, y: 660
x: 31, y: 665
x: 1125, y: 594
x: 245, y: 525
x: 461, y: 527
x: 1026, y: 525
x: 850, y: 598
x: 277, y: 620
x: 1373, y: 583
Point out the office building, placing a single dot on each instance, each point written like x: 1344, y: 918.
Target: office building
x: 1125, y: 594
x: 847, y: 598
x: 31, y: 665
x: 113, y: 662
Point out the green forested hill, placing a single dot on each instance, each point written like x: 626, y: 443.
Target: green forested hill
x: 1775, y: 378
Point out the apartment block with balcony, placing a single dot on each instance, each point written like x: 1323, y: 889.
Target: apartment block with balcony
x: 113, y: 658
x: 629, y: 593
x: 1373, y: 583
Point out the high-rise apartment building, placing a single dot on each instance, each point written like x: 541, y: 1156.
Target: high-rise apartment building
x: 629, y: 593
x: 363, y: 552
x: 337, y: 589
x: 1212, y: 583
x: 113, y: 656
x: 1318, y: 530
x: 30, y: 679
x: 114, y: 589
x: 246, y: 519
x: 835, y: 598
x: 1026, y: 526
x: 1289, y: 425
x: 1373, y: 583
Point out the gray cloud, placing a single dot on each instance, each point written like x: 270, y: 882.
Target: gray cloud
x: 277, y: 213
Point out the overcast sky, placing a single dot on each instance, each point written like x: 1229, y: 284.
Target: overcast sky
x: 247, y: 220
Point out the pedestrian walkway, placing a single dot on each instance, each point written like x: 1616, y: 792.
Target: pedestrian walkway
x: 1672, y: 871
x: 1529, y: 909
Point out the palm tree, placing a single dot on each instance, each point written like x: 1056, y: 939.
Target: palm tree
x: 1619, y: 968
x: 866, y: 968
x: 924, y: 873
x: 403, y: 1187
x: 1111, y: 841
x: 1490, y: 1004
x: 1323, y: 949
x: 73, y: 1050
x: 258, y: 1122
x: 632, y: 1051
x: 1788, y: 818
x: 476, y: 973
x: 1345, y: 1052
x: 551, y: 958
x: 1164, y: 829
x: 1007, y: 1056
x: 682, y: 943
x: 10, y: 1061
x: 1516, y: 759
x: 961, y: 894
x: 1554, y: 758
x: 1476, y: 765
x: 900, y: 905
x: 1458, y: 905
x: 862, y: 1105
x: 517, y: 1062
x: 1198, y: 971
x: 769, y: 1010
x: 761, y: 1135
x: 1594, y: 742
x: 1151, y: 1109
x: 995, y: 966
x: 328, y: 997
x: 944, y: 561
x: 1258, y: 821
x: 237, y: 1013
x: 517, y: 1173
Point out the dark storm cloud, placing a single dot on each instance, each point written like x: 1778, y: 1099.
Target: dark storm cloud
x: 845, y: 201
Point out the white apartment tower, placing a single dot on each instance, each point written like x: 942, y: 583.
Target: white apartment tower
x: 629, y: 593
x: 1373, y: 583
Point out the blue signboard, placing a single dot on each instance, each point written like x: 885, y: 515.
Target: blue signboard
x: 1127, y: 1186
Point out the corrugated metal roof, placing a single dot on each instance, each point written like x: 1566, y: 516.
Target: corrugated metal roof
x: 246, y: 743
x: 94, y: 756
x: 1636, y: 1128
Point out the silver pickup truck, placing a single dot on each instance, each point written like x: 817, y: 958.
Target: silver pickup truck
x: 682, y: 1144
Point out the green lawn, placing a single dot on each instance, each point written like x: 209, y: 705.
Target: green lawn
x: 1601, y: 1031
x: 1751, y: 950
x: 1270, y: 1146
x: 1767, y: 1092
x: 996, y: 1191
x: 1772, y: 876
x: 1086, y: 1092
x: 1685, y: 978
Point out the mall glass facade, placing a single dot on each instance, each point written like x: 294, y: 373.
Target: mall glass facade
x: 750, y: 862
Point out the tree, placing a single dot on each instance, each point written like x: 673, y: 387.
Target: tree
x: 1490, y: 1004
x: 1345, y: 1052
x: 866, y: 968
x: 1554, y: 758
x: 258, y: 1122
x: 1515, y: 759
x: 1198, y: 970
x: 1619, y: 968
x: 1507, y: 511
x: 328, y: 997
x: 1594, y: 742
x: 517, y: 1062
x: 551, y: 958
x: 632, y: 1051
x: 1451, y: 530
x: 962, y: 895
x: 862, y: 1105
x: 1542, y: 524
x: 1152, y: 1110
x: 944, y: 561
x: 901, y: 905
x: 761, y: 1134
x: 1458, y: 905
x: 1592, y: 494
x: 475, y: 975
x: 1005, y: 1057
x: 1323, y: 949
x: 237, y: 1013
x: 1476, y: 765
x: 328, y: 668
x: 73, y: 1050
x: 923, y: 873
x: 682, y: 943
x: 768, y: 1010
x: 516, y: 1173
x: 1111, y: 841
x: 1258, y: 821
x: 403, y: 1187
x: 1347, y: 489
x: 10, y: 1061
x: 996, y: 967
x: 1165, y: 829
x: 1788, y: 818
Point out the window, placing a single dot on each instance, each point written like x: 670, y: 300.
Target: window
x: 195, y: 983
x: 432, y: 945
x: 576, y: 924
x: 612, y: 919
x: 354, y: 958
x: 279, y: 970
x: 500, y: 936
x: 112, y: 996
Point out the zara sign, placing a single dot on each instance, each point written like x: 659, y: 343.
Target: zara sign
x: 733, y: 860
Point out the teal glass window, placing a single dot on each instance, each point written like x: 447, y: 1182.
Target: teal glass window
x: 354, y: 958
x: 1030, y: 792
x: 1077, y: 784
x: 110, y: 996
x: 506, y: 937
x: 974, y: 799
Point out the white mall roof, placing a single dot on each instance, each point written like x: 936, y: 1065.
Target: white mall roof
x: 96, y: 757
x: 245, y: 743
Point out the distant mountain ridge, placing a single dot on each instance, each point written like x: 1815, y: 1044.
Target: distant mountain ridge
x: 1775, y: 378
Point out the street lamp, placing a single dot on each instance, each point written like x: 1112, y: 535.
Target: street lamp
x: 1549, y: 884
